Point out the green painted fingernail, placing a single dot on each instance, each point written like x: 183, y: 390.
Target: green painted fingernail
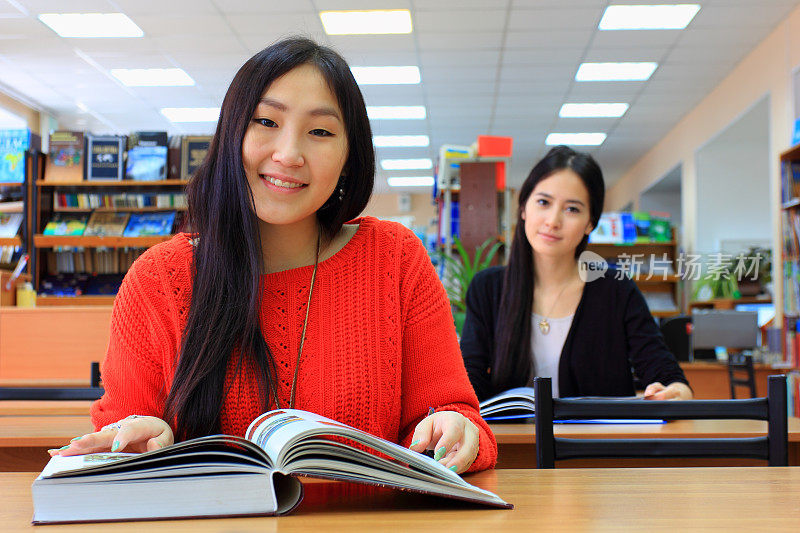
x: 115, y: 446
x: 454, y: 468
x: 64, y: 447
x: 76, y: 438
x: 415, y: 442
x: 439, y: 453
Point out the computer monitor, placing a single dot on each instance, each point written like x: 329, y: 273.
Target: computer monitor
x: 730, y: 329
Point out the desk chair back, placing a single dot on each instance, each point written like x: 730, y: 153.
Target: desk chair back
x: 741, y: 374
x: 773, y: 447
x: 676, y: 332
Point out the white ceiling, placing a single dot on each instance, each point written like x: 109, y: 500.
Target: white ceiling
x: 501, y: 67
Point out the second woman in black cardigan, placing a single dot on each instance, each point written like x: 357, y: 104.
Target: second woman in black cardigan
x: 591, y: 335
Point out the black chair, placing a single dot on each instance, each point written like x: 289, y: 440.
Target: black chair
x: 739, y: 364
x: 676, y: 336
x: 773, y: 447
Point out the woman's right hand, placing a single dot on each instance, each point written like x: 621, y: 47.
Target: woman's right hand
x: 132, y: 434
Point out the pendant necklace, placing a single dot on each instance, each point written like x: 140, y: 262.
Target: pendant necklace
x: 273, y: 386
x: 544, y: 325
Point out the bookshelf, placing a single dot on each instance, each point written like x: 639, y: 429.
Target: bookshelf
x: 655, y: 284
x: 790, y: 260
x: 92, y: 255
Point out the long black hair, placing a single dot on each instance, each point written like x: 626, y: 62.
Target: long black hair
x: 223, y: 318
x: 513, y: 362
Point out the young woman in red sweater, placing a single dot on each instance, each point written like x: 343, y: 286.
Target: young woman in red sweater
x: 281, y: 297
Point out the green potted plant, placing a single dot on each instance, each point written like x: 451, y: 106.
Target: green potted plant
x: 755, y: 271
x: 459, y: 273
x: 718, y: 284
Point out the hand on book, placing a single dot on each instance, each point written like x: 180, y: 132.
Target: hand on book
x: 452, y: 436
x: 132, y: 434
x: 673, y: 391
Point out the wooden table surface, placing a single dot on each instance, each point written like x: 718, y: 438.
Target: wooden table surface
x: 614, y: 499
x: 45, y: 408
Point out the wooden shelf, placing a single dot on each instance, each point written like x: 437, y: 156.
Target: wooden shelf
x: 727, y: 303
x: 116, y: 209
x: 630, y: 244
x: 10, y: 241
x: 664, y: 314
x: 52, y: 241
x: 11, y: 184
x: 791, y: 154
x: 67, y: 301
x: 657, y: 278
x: 110, y: 183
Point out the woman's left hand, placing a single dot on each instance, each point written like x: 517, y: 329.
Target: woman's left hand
x: 673, y: 391
x: 452, y: 436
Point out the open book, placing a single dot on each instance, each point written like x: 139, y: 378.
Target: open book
x: 518, y: 404
x: 223, y: 475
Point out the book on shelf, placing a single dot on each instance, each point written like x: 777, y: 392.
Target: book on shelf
x: 608, y: 230
x: 62, y: 224
x: 257, y: 474
x: 65, y: 156
x: 660, y: 228
x: 9, y: 223
x: 194, y: 149
x: 107, y: 223
x: 13, y: 145
x: 641, y: 222
x: 105, y: 157
x: 144, y: 224
x: 147, y: 156
x: 790, y: 180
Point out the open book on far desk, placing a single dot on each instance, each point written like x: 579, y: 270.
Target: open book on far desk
x: 517, y: 405
x: 223, y: 475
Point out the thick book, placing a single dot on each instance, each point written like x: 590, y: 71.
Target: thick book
x: 13, y: 145
x: 65, y: 157
x: 107, y: 223
x: 193, y: 151
x: 144, y: 224
x: 223, y: 475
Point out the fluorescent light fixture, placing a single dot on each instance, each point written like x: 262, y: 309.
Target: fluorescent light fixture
x: 91, y: 25
x: 152, y: 77
x: 191, y: 114
x: 639, y: 71
x: 366, y: 22
x: 82, y: 106
x: 643, y: 17
x: 406, y: 164
x: 395, y: 141
x: 396, y: 112
x: 592, y: 110
x: 575, y: 139
x: 386, y: 75
x: 411, y: 181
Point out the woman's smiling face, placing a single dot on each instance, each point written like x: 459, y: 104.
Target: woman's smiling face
x: 295, y: 147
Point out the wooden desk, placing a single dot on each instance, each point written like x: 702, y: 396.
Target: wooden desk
x: 45, y: 408
x: 734, y: 499
x: 516, y: 442
x: 709, y: 379
x: 24, y: 440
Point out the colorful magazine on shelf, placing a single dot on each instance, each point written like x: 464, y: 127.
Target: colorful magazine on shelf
x: 107, y: 223
x: 66, y: 224
x: 9, y: 223
x: 258, y: 474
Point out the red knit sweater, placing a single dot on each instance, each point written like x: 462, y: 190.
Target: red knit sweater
x: 380, y: 345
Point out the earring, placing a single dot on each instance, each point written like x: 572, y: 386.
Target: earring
x: 341, y: 194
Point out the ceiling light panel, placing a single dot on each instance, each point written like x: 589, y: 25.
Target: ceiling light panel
x: 191, y: 114
x: 575, y: 139
x: 400, y: 141
x: 395, y: 21
x: 152, y: 77
x: 648, y: 17
x: 410, y: 181
x: 386, y: 75
x: 407, y: 164
x: 401, y: 112
x: 91, y: 25
x: 592, y: 110
x: 632, y: 71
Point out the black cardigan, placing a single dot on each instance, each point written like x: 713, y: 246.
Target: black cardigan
x: 612, y: 331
